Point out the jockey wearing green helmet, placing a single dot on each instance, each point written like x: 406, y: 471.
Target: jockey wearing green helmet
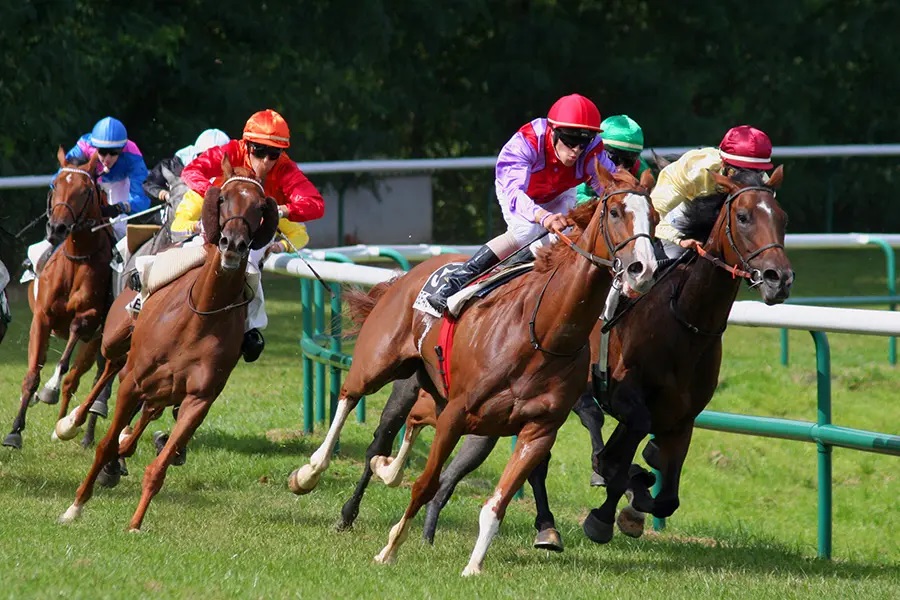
x: 623, y: 140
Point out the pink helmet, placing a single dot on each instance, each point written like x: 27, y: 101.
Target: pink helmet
x: 747, y: 147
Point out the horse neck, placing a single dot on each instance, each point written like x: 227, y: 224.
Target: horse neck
x: 708, y: 292
x: 87, y: 243
x: 215, y: 288
x: 574, y: 298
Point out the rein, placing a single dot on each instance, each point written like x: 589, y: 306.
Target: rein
x: 77, y: 223
x: 615, y: 265
x: 206, y: 313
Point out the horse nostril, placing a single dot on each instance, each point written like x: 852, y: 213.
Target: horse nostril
x: 636, y: 268
x: 242, y: 247
x: 772, y: 276
x: 223, y: 243
x: 60, y: 230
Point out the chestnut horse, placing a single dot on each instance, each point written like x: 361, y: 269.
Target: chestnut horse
x: 73, y: 290
x: 189, y: 334
x: 660, y: 383
x: 508, y: 377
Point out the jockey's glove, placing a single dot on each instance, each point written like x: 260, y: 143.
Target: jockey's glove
x: 112, y: 210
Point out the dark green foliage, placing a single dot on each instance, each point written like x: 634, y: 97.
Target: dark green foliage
x: 418, y: 79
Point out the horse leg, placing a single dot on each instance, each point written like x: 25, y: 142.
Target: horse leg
x: 67, y: 427
x: 193, y: 411
x: 591, y: 417
x: 532, y: 447
x: 358, y: 384
x: 424, y: 413
x: 450, y: 427
x: 50, y: 392
x: 474, y: 451
x: 617, y: 457
x: 129, y: 444
x: 548, y: 537
x: 673, y: 449
x: 38, y: 340
x: 403, y: 397
x: 84, y: 360
x: 107, y: 450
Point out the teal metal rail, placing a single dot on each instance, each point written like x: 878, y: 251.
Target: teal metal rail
x: 891, y: 298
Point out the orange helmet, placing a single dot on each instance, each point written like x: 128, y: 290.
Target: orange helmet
x: 269, y: 128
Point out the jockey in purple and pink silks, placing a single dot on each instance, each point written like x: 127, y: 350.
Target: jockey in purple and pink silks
x: 537, y: 172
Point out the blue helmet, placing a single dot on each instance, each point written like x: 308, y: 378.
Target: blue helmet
x: 109, y: 133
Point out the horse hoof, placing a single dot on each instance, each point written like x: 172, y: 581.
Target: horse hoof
x: 303, y: 480
x: 596, y: 530
x: 109, y: 476
x: 631, y: 522
x: 99, y: 408
x: 384, y: 557
x: 549, y: 539
x: 343, y: 525
x: 49, y: 396
x: 471, y: 570
x: 65, y: 429
x: 597, y: 480
x: 13, y: 440
x: 72, y: 513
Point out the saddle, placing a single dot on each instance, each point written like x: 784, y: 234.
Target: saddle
x: 479, y: 288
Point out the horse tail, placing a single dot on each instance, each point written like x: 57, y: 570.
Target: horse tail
x: 360, y: 302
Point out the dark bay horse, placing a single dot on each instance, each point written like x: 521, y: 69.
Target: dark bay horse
x: 187, y: 339
x: 665, y: 352
x: 515, y: 353
x: 73, y: 289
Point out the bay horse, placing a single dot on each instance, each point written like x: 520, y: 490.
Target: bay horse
x: 507, y: 378
x: 73, y: 289
x: 659, y: 383
x: 188, y: 337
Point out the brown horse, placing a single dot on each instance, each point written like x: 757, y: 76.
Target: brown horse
x: 189, y: 334
x: 73, y: 289
x: 665, y: 352
x: 508, y: 377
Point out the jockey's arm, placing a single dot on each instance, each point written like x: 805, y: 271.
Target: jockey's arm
x: 686, y: 178
x: 187, y: 215
x: 304, y: 202
x: 512, y: 174
x: 137, y: 173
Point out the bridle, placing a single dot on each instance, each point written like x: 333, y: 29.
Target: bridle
x: 753, y: 276
x: 79, y: 223
x: 615, y: 264
x: 250, y: 233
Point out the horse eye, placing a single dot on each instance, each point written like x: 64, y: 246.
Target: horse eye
x: 614, y: 213
x: 743, y: 217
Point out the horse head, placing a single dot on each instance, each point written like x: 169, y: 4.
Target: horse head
x: 237, y: 216
x: 620, y: 227
x: 73, y: 203
x: 749, y: 232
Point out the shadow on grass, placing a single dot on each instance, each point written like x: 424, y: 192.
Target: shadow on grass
x: 255, y: 443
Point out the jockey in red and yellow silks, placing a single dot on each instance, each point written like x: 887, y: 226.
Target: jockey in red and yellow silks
x: 261, y: 149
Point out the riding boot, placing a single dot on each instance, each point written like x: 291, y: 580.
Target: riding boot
x: 480, y: 262
x: 253, y: 345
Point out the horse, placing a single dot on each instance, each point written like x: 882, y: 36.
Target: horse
x: 506, y: 379
x: 659, y: 385
x: 73, y: 289
x: 188, y: 338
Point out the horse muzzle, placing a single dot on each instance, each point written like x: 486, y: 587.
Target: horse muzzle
x: 233, y: 251
x: 775, y: 285
x: 57, y: 231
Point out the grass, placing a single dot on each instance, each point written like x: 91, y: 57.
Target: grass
x: 225, y: 524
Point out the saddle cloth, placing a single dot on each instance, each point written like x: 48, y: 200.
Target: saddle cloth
x: 479, y: 288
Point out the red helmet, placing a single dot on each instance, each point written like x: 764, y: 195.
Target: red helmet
x: 268, y: 128
x: 747, y: 147
x: 574, y: 112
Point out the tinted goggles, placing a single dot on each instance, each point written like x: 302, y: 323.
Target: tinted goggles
x: 261, y: 151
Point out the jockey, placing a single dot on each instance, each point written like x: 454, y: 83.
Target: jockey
x: 623, y: 140
x: 743, y: 148
x: 261, y: 149
x: 537, y: 171
x: 158, y: 185
x: 121, y: 173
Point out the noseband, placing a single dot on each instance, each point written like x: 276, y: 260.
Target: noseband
x: 250, y: 230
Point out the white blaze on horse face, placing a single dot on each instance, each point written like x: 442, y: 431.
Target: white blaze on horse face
x: 764, y: 206
x: 639, y: 207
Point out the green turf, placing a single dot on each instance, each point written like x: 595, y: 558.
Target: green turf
x: 225, y: 524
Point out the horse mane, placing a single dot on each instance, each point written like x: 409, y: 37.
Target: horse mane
x: 701, y: 213
x: 549, y: 256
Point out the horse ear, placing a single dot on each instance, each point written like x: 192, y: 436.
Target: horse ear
x: 209, y: 215
x: 61, y: 156
x: 92, y: 163
x: 775, y: 180
x: 266, y: 230
x: 724, y: 182
x: 661, y: 163
x: 227, y: 169
x: 647, y: 179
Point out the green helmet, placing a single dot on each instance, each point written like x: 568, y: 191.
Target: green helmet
x: 623, y: 133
